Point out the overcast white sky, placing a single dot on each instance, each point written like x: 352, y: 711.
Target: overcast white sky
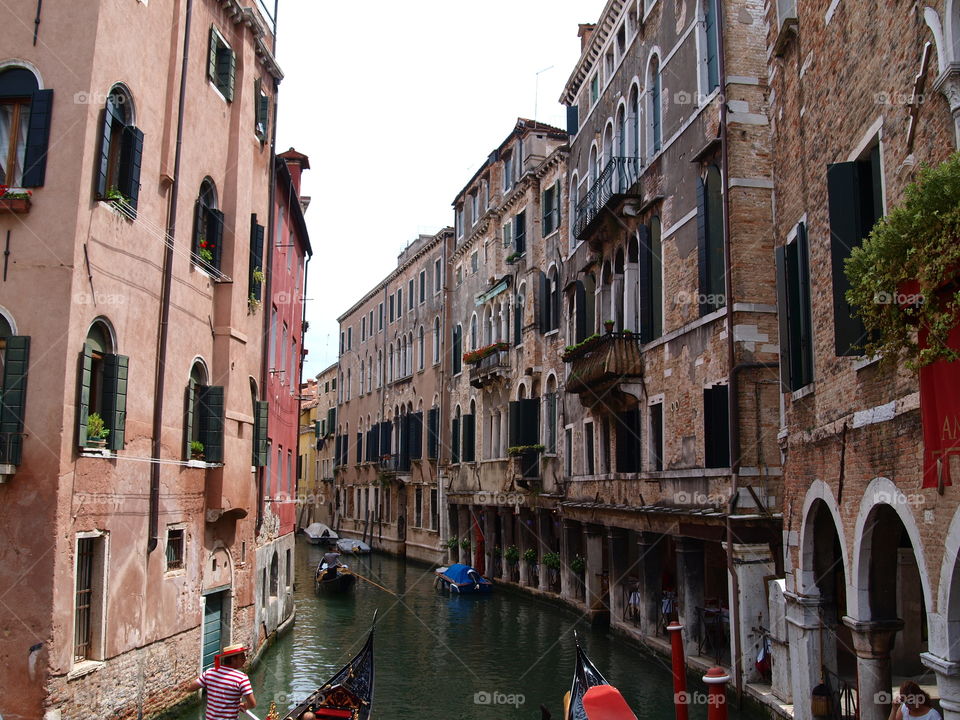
x: 398, y: 104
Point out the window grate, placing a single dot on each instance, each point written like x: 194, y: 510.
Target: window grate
x: 84, y: 597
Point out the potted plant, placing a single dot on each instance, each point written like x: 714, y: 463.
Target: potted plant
x: 253, y: 303
x: 572, y: 352
x: 97, y: 432
x: 530, y: 555
x: 14, y: 201
x: 196, y: 450
x: 578, y: 564
x: 608, y: 325
x: 258, y: 276
x: 115, y: 196
x: 552, y: 560
x: 452, y: 542
x: 497, y: 551
x: 512, y: 555
x: 465, y: 542
x: 205, y: 250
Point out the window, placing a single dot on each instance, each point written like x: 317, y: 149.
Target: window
x: 608, y: 64
x: 474, y: 213
x: 391, y: 307
x: 549, y: 301
x: 656, y: 437
x: 437, y: 278
x: 520, y: 232
x: 713, y: 55
x: 14, y: 364
x: 261, y: 120
x: 221, y: 64
x: 121, y: 150
x: 628, y: 440
x: 418, y: 508
x: 508, y: 234
x: 650, y: 262
x: 399, y: 302
x: 274, y: 575
x: 24, y: 128
x: 594, y: 89
x: 550, y: 420
x: 380, y: 316
x: 207, y: 229
x: 175, y: 548
x: 455, y: 438
x: 363, y: 329
x: 436, y: 340
x: 102, y: 409
x: 655, y: 109
x: 456, y: 349
x: 89, y: 607
x: 204, y: 417
x: 485, y: 196
x: 474, y: 263
x: 255, y: 265
x: 855, y: 194
x: 420, y: 348
x: 458, y: 221
x: 410, y: 294
x: 434, y: 510
x: 588, y: 457
x: 568, y: 450
x: 423, y: 286
x: 370, y: 323
x: 459, y: 275
x: 621, y: 45
x: 550, y: 209
x: 710, y: 241
x: 633, y: 129
x: 349, y: 337
x: 473, y: 333
x: 793, y: 300
x: 716, y: 427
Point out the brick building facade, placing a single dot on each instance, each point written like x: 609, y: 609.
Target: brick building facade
x: 318, y: 410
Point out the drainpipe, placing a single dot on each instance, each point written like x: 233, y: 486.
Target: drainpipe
x: 267, y: 287
x: 303, y: 337
x: 733, y: 414
x: 160, y: 369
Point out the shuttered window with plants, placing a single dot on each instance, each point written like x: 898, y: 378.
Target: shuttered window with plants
x: 204, y: 409
x: 255, y: 276
x: 261, y: 123
x: 550, y: 209
x: 121, y: 154
x: 524, y: 434
x: 25, y: 112
x: 261, y: 413
x: 15, y: 361
x: 793, y: 301
x: 221, y: 65
x: 102, y: 406
x: 416, y: 436
x: 207, y: 230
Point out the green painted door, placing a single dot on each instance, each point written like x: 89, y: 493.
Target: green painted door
x: 211, y: 628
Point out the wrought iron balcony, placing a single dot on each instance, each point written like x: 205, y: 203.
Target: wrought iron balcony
x: 615, y: 181
x: 598, y: 365
x: 490, y: 369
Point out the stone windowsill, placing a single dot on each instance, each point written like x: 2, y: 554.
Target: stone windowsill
x: 803, y: 392
x: 94, y: 452
x: 84, y: 668
x: 202, y: 464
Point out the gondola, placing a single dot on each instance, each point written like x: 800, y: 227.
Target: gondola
x: 348, y: 694
x: 461, y: 579
x: 340, y: 582
x: 592, y: 696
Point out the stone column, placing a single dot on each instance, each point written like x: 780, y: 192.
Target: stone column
x: 650, y: 546
x: 506, y: 517
x: 543, y: 541
x: 523, y: 542
x: 949, y: 84
x: 568, y: 578
x: 751, y: 563
x: 779, y: 645
x: 872, y: 641
x: 948, y: 684
x: 617, y: 553
x: 489, y: 537
x: 466, y: 531
x: 594, y: 572
x: 805, y: 635
x: 906, y: 651
x: 689, y: 590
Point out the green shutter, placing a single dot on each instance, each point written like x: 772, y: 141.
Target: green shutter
x: 212, y: 56
x: 844, y: 202
x: 13, y: 400
x: 104, y: 159
x: 316, y: 429
x: 455, y: 441
x: 83, y: 402
x: 226, y: 62
x: 215, y: 229
x: 115, y: 372
x: 787, y: 382
x: 261, y: 412
x: 469, y: 438
x: 188, y: 419
x: 331, y: 419
x: 38, y: 135
x: 256, y: 256
x: 131, y: 156
x: 211, y: 422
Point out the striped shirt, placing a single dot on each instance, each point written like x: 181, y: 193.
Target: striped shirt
x: 225, y: 686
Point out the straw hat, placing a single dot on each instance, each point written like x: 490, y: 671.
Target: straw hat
x: 229, y: 651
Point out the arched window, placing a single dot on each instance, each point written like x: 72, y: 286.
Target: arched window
x: 618, y: 290
x: 379, y: 368
x: 24, y: 128
x: 420, y: 349
x: 553, y: 299
x: 274, y: 575
x: 14, y: 363
x: 121, y: 147
x: 390, y: 365
x: 593, y: 167
x: 713, y: 44
x: 518, y: 318
x: 634, y: 122
x: 436, y: 340
x: 473, y: 332
x: 456, y: 349
x: 207, y: 229
x: 103, y: 389
x: 655, y: 109
x: 572, y: 198
x: 363, y: 376
x: 195, y: 387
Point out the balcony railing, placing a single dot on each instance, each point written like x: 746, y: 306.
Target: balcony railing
x: 617, y: 178
x: 490, y: 368
x: 604, y: 361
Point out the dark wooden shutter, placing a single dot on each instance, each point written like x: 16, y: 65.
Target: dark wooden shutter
x: 416, y: 436
x: 573, y: 119
x: 469, y: 437
x: 580, y: 301
x: 433, y: 433
x: 211, y: 422
x: 212, y: 56
x: 359, y: 448
x: 520, y: 232
x: 83, y: 400
x: 403, y: 447
x: 703, y: 250
x: 115, y: 372
x: 38, y: 137
x: 261, y: 409
x: 226, y: 61
x: 199, y: 227
x: 455, y: 441
x: 846, y: 233
x: 386, y: 438
x: 716, y: 427
x: 713, y: 55
x: 559, y: 205
x: 799, y: 272
x: 104, y: 159
x: 645, y: 272
x: 543, y: 302
x: 514, y: 419
x: 215, y: 228
x: 783, y: 316
x: 331, y: 419
x: 530, y: 421
x: 256, y: 257
x: 131, y: 157
x: 13, y: 400
x: 628, y: 441
x: 517, y: 323
x: 231, y: 77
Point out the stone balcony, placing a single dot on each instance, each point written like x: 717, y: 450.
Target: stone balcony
x: 602, y: 369
x: 490, y: 369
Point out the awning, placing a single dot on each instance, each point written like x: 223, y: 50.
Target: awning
x: 494, y: 291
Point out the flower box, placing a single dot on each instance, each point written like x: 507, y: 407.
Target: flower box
x: 474, y: 357
x: 16, y: 204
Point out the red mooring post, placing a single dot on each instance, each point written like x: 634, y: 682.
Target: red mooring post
x: 681, y: 700
x: 716, y: 680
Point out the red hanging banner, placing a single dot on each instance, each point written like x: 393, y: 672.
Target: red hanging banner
x: 940, y: 414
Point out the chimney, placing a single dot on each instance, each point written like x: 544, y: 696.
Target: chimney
x: 585, y: 32
x: 296, y: 163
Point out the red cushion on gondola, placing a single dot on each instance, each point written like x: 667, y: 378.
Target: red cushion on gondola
x: 604, y: 702
x: 330, y: 713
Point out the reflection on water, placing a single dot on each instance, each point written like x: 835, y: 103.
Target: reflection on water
x: 486, y: 658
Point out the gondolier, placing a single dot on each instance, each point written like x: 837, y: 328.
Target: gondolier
x: 228, y: 688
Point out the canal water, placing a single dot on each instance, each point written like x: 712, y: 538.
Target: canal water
x: 497, y: 657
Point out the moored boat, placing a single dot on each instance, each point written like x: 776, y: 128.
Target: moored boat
x: 319, y: 534
x: 348, y: 694
x: 349, y: 546
x: 591, y: 696
x: 463, y: 580
x: 336, y: 579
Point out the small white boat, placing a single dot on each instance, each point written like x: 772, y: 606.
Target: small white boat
x: 352, y: 547
x: 320, y: 534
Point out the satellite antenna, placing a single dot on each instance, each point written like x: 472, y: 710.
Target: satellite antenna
x: 536, y: 92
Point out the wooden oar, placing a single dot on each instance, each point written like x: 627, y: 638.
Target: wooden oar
x: 356, y: 574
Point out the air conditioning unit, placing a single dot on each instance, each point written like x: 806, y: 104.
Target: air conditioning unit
x: 787, y: 23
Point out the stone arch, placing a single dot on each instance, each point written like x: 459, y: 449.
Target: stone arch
x: 822, y: 492
x: 945, y: 623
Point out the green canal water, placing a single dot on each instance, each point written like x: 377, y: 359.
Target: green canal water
x: 440, y: 657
